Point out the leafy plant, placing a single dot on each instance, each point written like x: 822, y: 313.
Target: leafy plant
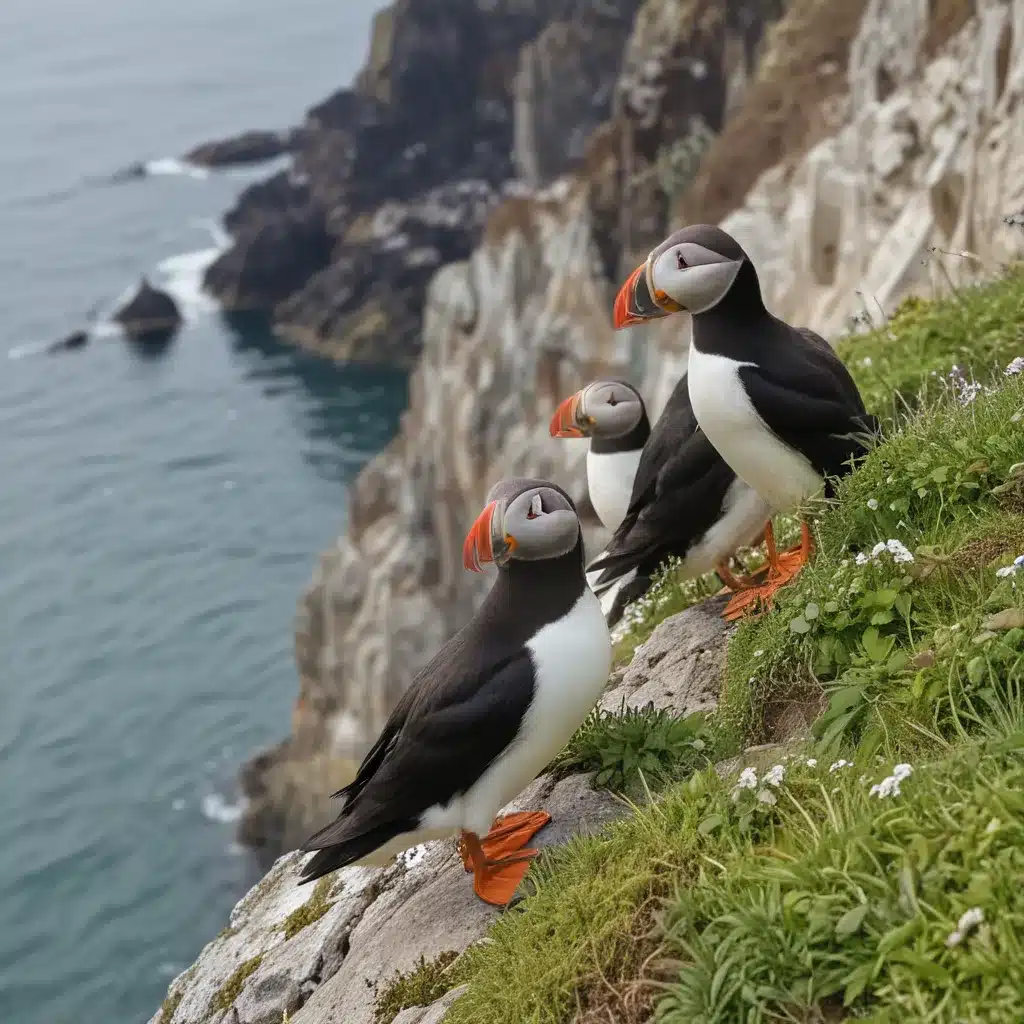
x: 648, y: 740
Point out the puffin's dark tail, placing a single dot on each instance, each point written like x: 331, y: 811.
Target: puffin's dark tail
x: 337, y: 848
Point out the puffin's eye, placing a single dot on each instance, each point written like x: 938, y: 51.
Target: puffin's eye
x: 536, y: 508
x: 680, y: 261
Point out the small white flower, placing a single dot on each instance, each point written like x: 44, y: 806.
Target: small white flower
x: 898, y: 551
x: 866, y: 361
x: 872, y: 504
x: 747, y: 780
x: 1013, y: 569
x: 1015, y: 367
x: 836, y: 765
x: 969, y: 920
x: 758, y: 653
x: 890, y: 786
x: 775, y: 775
x: 812, y: 762
x: 992, y: 826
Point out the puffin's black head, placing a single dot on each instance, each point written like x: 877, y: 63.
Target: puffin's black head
x: 523, y: 520
x: 606, y: 409
x: 694, y: 270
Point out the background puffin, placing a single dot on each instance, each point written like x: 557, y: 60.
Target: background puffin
x: 492, y: 708
x: 683, y: 498
x: 776, y: 401
x: 613, y: 415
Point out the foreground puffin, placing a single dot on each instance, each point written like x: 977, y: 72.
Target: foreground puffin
x: 492, y: 708
x: 679, y: 496
x: 775, y: 401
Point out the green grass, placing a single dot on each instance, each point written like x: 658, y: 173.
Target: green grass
x: 812, y: 900
x: 425, y: 983
x: 224, y: 998
x: 311, y: 911
x: 620, y: 747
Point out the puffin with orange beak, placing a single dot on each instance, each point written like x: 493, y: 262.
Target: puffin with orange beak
x: 664, y: 493
x: 775, y: 401
x: 492, y: 708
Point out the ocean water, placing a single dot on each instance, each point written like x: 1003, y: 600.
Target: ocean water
x: 159, y: 513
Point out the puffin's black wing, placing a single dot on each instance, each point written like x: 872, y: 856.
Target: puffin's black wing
x: 464, y: 710
x: 806, y: 396
x: 683, y: 504
x: 674, y: 427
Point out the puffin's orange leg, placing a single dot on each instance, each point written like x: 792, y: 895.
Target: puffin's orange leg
x: 499, y: 862
x: 749, y: 597
x: 792, y: 561
x: 733, y: 583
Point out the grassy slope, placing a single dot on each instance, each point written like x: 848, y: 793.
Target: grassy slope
x: 812, y: 899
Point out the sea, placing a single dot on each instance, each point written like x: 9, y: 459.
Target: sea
x: 160, y: 510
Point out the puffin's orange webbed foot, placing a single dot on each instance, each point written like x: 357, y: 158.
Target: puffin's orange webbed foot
x: 789, y: 563
x: 500, y: 861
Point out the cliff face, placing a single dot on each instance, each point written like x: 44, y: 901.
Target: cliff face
x: 506, y: 333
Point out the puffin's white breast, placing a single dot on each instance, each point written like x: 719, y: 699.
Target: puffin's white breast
x: 571, y: 661
x: 610, y: 478
x: 780, y: 474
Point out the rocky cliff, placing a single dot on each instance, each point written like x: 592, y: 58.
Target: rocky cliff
x: 505, y: 332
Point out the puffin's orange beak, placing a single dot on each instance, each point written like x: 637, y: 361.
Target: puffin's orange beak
x: 636, y: 305
x: 563, y: 423
x: 478, y: 547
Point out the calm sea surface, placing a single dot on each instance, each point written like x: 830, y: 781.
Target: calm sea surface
x: 159, y: 515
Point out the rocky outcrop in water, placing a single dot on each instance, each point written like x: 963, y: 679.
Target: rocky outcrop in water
x: 248, y: 148
x: 149, y: 315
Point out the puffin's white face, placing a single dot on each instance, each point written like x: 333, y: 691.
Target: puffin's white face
x: 606, y: 409
x: 681, y: 275
x: 693, y: 277
x: 529, y: 525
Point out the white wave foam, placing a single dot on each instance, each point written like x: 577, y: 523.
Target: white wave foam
x: 33, y: 348
x: 216, y: 807
x: 182, y: 275
x: 173, y: 166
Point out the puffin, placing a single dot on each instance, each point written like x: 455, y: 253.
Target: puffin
x: 680, y: 498
x: 775, y: 401
x: 490, y: 711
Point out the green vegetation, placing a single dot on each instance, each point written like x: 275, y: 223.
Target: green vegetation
x: 224, y: 998
x: 311, y: 911
x: 648, y: 741
x: 425, y: 983
x: 169, y: 1007
x: 871, y: 874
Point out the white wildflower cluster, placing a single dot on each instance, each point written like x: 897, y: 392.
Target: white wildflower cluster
x: 762, y: 793
x: 836, y: 765
x: 812, y: 762
x: 638, y: 612
x: 873, y: 504
x: 1016, y: 366
x: 1011, y: 570
x: 966, y: 391
x: 747, y: 780
x: 775, y: 775
x: 969, y: 920
x: 895, y: 548
x: 890, y: 785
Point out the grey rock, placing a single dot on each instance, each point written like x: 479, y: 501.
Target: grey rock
x: 380, y: 921
x: 149, y: 315
x: 680, y: 666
